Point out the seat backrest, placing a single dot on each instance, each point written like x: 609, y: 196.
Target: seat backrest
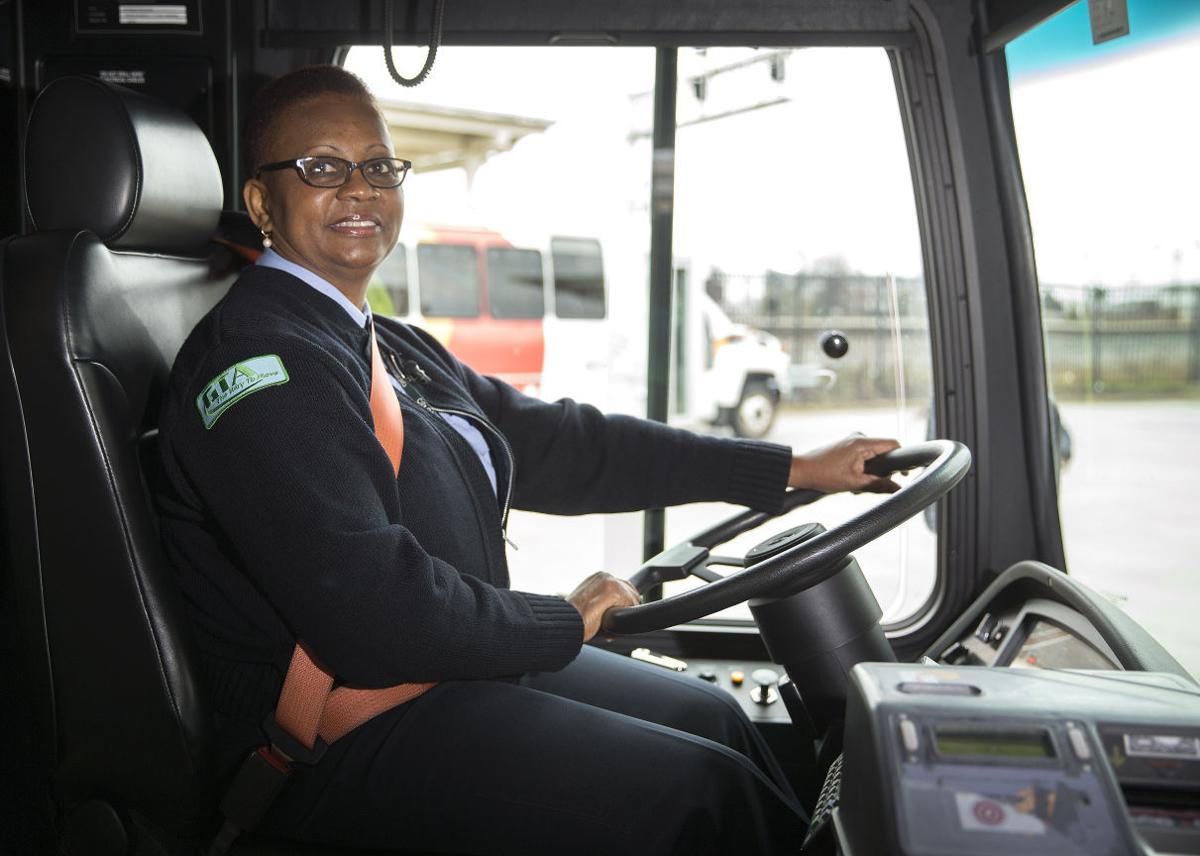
x: 125, y: 194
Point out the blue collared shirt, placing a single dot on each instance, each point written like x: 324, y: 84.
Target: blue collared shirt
x: 469, y: 432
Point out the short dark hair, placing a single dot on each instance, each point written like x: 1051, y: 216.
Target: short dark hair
x: 283, y: 93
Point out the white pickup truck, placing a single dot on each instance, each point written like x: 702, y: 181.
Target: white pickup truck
x: 744, y: 374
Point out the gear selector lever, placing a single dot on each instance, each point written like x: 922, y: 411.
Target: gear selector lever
x: 764, y: 691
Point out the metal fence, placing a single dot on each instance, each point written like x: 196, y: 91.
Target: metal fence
x: 1132, y: 340
x: 886, y: 323
x: 1099, y: 341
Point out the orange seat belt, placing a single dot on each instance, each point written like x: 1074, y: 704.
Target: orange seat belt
x: 309, y: 706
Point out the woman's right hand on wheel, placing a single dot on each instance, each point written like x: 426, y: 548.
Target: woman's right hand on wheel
x: 596, y: 595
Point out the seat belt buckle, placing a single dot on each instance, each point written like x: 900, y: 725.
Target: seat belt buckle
x: 289, y: 747
x: 254, y: 787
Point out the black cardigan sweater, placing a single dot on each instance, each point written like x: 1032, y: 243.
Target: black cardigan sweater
x: 285, y: 521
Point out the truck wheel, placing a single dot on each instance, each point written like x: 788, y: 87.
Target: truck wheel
x: 755, y: 413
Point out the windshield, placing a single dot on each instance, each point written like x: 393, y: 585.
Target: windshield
x: 809, y: 228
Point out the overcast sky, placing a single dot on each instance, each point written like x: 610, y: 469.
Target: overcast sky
x: 1107, y: 149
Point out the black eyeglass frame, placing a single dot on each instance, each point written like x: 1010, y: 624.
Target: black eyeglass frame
x: 298, y: 165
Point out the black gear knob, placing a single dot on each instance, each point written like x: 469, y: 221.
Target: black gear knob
x: 834, y: 344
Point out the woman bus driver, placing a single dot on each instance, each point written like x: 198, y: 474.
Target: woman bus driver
x: 287, y: 522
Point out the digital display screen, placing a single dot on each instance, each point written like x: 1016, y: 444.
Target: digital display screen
x: 955, y: 741
x: 1049, y: 646
x: 1162, y: 746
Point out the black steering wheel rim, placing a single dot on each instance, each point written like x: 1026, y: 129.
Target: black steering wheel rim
x: 944, y: 463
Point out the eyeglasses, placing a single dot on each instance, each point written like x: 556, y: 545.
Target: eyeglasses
x: 325, y: 171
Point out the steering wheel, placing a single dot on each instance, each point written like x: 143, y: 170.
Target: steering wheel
x: 943, y: 462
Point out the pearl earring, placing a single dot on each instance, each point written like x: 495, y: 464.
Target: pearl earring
x: 266, y: 239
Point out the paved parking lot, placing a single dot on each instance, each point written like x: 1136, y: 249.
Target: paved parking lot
x: 1128, y: 505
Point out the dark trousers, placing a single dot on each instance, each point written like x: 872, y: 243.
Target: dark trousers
x: 608, y: 756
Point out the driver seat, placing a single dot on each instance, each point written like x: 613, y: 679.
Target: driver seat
x: 108, y: 746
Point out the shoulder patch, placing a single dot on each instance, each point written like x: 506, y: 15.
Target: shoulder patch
x: 236, y: 382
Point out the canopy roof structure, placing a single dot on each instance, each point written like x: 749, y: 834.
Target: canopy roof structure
x: 434, y: 137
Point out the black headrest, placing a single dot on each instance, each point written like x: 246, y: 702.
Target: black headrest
x: 136, y: 172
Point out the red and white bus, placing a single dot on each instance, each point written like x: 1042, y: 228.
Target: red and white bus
x: 496, y: 306
x: 539, y: 318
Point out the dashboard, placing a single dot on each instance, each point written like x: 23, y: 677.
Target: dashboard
x: 1043, y: 721
x: 1085, y: 740
x: 1036, y: 633
x: 1033, y: 616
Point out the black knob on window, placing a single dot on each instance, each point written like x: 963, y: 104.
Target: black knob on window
x: 834, y: 344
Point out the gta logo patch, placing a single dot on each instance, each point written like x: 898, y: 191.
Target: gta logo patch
x: 237, y: 382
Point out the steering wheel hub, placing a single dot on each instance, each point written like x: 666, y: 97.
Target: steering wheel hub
x: 785, y: 540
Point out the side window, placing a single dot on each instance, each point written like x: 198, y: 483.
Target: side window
x: 392, y: 277
x: 515, y: 285
x: 449, y: 280
x: 578, y: 278
x: 1107, y: 142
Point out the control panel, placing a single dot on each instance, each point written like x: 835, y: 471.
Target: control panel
x: 760, y: 687
x: 1001, y: 761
